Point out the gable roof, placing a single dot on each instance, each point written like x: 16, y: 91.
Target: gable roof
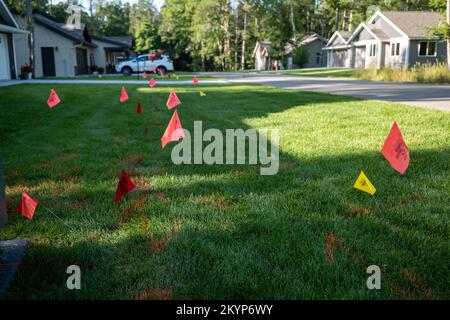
x: 80, y: 36
x: 7, y: 16
x: 311, y: 38
x: 414, y: 24
x: 374, y: 32
x: 304, y: 41
x: 120, y: 41
x: 343, y: 35
x: 264, y: 45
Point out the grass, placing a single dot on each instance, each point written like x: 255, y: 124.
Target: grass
x: 344, y: 73
x: 223, y: 231
x: 135, y: 76
x: 420, y: 73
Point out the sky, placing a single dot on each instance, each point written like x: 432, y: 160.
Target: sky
x: 158, y: 3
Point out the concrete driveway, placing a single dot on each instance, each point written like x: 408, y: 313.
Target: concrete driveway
x: 422, y: 95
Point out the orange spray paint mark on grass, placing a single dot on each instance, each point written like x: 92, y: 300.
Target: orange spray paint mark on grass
x: 160, y: 244
x: 155, y: 294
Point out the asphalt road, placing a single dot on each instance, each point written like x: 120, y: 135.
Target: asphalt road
x: 422, y: 95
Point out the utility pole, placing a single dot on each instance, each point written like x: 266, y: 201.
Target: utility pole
x: 30, y: 28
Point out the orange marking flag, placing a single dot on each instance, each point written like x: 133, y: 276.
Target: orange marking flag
x: 123, y: 95
x: 124, y: 186
x: 139, y: 108
x: 27, y: 206
x: 174, y: 130
x: 53, y: 99
x: 395, y: 150
x: 173, y: 100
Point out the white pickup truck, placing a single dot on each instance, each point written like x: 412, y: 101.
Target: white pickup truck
x: 147, y: 62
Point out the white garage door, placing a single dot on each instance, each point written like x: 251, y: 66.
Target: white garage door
x: 4, y: 61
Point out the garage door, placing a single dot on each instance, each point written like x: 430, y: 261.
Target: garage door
x: 4, y: 61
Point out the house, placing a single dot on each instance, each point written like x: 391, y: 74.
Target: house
x: 111, y: 50
x: 9, y: 30
x: 60, y: 50
x: 389, y: 39
x: 261, y: 54
x: 313, y: 43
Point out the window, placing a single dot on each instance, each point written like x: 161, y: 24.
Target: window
x: 427, y: 48
x: 318, y: 56
x: 395, y: 49
x: 373, y: 50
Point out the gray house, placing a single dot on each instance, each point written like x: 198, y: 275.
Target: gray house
x: 389, y: 39
x: 9, y: 31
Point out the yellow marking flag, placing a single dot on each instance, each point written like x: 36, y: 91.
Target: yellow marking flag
x: 202, y: 94
x: 363, y: 184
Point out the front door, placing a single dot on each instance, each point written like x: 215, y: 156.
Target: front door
x: 48, y: 61
x: 82, y: 65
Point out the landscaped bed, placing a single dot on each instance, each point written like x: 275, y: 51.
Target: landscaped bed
x: 223, y: 231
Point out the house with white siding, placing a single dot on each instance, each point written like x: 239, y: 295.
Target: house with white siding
x: 9, y: 31
x: 389, y: 39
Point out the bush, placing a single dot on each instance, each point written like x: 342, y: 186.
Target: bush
x: 300, y: 57
x: 26, y: 68
x: 100, y: 70
x: 94, y: 68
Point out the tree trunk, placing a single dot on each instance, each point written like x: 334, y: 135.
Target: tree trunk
x: 237, y: 32
x: 336, y: 20
x: 227, y: 40
x: 448, y: 40
x: 244, y: 39
x: 350, y: 21
x: 294, y: 36
x: 30, y: 28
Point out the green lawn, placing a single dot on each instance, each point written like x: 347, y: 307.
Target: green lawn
x: 136, y: 76
x: 224, y: 231
x: 345, y: 73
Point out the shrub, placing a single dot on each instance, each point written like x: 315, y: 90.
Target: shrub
x: 26, y: 68
x: 94, y: 68
x: 300, y: 57
x: 100, y: 70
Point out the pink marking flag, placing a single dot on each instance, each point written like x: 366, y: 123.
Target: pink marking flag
x: 195, y: 80
x: 395, y: 150
x: 123, y: 95
x: 152, y: 82
x: 173, y: 100
x: 144, y: 75
x: 27, y: 206
x: 174, y: 130
x: 124, y: 186
x: 53, y: 99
